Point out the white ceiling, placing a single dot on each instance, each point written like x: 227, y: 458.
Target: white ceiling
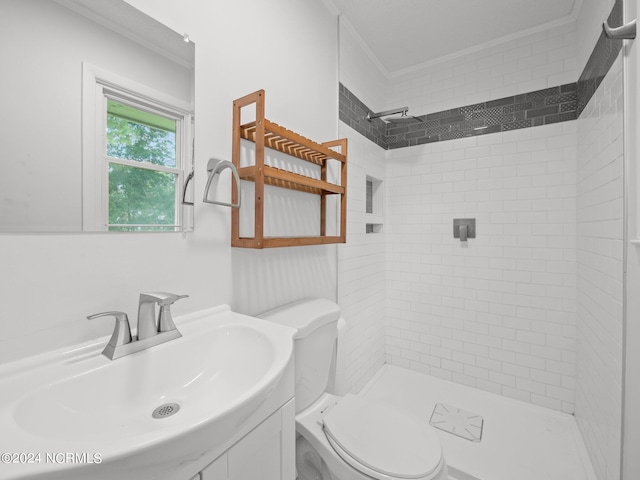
x: 404, y: 34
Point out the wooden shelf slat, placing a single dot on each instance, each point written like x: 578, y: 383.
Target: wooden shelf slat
x: 282, y: 139
x: 274, y: 242
x: 278, y: 177
x: 270, y: 242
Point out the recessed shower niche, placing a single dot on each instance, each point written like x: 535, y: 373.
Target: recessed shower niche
x: 374, y: 202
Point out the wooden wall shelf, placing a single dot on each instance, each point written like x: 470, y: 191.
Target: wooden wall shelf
x: 265, y: 133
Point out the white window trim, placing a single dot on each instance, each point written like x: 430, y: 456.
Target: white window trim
x: 96, y: 83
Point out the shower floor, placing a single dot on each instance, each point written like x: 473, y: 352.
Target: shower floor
x: 519, y: 440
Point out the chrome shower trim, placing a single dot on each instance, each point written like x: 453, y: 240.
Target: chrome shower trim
x: 402, y: 110
x: 624, y: 32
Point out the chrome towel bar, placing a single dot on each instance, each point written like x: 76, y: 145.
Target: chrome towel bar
x: 214, y: 167
x: 625, y: 32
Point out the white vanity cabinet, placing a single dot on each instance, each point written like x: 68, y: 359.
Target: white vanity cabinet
x: 267, y: 452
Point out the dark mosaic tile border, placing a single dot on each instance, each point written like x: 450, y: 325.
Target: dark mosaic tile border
x: 542, y: 107
x: 353, y: 112
x: 603, y: 55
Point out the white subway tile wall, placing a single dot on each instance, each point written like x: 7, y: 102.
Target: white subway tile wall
x: 498, y: 313
x: 361, y: 270
x: 533, y: 62
x: 600, y: 271
x: 532, y: 307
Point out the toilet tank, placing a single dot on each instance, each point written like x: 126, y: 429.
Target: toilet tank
x: 316, y: 322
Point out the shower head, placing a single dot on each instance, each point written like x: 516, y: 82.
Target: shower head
x: 403, y: 111
x: 403, y: 118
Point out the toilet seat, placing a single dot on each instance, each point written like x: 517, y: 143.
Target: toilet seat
x: 382, y: 442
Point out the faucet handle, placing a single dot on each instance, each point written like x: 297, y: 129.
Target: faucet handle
x: 165, y: 300
x: 161, y: 298
x: 121, y: 333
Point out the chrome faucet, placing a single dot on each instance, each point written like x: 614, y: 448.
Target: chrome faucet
x: 150, y: 332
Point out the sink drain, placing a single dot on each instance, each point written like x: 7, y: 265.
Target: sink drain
x: 166, y: 410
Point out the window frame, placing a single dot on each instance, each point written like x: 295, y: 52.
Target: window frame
x: 99, y: 85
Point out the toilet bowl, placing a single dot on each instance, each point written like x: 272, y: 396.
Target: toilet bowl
x: 349, y: 438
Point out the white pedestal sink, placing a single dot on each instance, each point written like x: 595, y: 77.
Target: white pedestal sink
x: 75, y: 414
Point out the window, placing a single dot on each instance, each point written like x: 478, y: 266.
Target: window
x: 137, y: 158
x: 142, y: 168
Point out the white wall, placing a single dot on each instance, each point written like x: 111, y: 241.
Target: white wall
x: 359, y: 74
x: 592, y: 14
x: 600, y: 232
x: 362, y: 270
x: 631, y: 380
x: 51, y: 282
x: 361, y: 262
x: 532, y: 62
x: 290, y: 50
x: 600, y: 274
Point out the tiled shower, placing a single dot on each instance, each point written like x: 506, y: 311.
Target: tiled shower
x: 499, y: 312
x: 532, y: 307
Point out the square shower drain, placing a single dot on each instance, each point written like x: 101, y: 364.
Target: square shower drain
x: 462, y: 423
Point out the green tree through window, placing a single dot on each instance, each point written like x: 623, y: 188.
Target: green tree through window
x: 142, y: 192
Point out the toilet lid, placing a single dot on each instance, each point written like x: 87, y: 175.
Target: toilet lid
x: 381, y: 441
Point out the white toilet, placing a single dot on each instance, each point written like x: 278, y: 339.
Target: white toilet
x: 348, y: 438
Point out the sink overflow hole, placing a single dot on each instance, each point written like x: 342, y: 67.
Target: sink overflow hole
x: 166, y: 410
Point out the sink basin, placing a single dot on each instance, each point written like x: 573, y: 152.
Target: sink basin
x: 215, y: 370
x: 209, y: 381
